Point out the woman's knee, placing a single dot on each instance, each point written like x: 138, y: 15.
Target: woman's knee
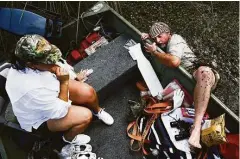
x: 83, y: 116
x: 76, y: 116
x: 87, y: 115
x: 88, y: 93
x: 79, y: 88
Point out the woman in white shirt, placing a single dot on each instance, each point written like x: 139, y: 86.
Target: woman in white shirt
x: 43, y: 95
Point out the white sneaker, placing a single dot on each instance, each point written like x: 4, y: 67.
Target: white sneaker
x: 105, y: 117
x: 79, y: 139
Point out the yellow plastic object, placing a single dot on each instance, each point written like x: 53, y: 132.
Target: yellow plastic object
x: 213, y: 131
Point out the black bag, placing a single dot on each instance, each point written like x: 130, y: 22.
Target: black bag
x: 161, y: 147
x: 42, y: 150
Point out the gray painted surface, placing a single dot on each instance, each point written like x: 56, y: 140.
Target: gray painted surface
x: 112, y: 66
x: 112, y: 142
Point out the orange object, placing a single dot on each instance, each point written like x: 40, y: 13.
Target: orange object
x: 142, y: 86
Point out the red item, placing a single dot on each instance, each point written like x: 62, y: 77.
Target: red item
x: 78, y: 54
x: 89, y: 40
x: 75, y: 56
x: 230, y: 150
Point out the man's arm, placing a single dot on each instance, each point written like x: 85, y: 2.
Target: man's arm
x: 167, y: 59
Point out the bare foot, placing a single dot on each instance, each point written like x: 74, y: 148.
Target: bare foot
x: 194, y: 140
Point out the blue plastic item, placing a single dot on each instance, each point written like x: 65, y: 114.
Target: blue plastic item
x: 23, y: 22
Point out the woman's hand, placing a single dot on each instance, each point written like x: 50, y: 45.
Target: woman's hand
x: 82, y: 76
x: 43, y: 67
x: 62, y: 74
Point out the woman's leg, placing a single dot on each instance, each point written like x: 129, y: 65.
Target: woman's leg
x: 83, y: 94
x: 75, y: 122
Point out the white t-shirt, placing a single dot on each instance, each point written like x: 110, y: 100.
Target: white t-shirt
x: 34, y: 97
x: 177, y: 46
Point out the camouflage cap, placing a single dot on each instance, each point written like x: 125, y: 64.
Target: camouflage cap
x: 35, y: 48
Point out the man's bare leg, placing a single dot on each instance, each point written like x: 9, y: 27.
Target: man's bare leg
x: 205, y: 79
x: 83, y: 94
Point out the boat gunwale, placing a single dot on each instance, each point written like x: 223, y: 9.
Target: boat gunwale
x: 180, y: 68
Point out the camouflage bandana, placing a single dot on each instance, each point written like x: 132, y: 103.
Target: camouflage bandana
x: 35, y: 48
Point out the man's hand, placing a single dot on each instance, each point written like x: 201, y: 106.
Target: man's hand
x: 151, y: 48
x: 145, y: 36
x: 62, y: 74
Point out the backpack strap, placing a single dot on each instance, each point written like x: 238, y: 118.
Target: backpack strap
x: 137, y: 141
x: 134, y: 133
x: 158, y: 108
x: 153, y: 109
x: 146, y: 130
